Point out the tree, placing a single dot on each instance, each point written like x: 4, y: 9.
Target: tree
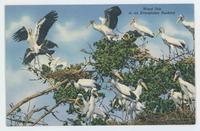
x: 132, y: 62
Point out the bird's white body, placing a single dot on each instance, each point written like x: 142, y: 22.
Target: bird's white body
x: 33, y: 43
x: 57, y: 62
x: 187, y: 88
x: 123, y: 90
x: 177, y: 98
x: 138, y: 91
x: 171, y: 41
x: 91, y: 107
x: 145, y: 31
x: 106, y: 31
x: 86, y: 84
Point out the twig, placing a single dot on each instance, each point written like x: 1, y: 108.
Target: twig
x: 22, y: 121
x: 47, y: 113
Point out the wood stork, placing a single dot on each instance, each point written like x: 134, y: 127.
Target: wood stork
x: 123, y: 90
x: 187, y: 24
x: 36, y: 39
x: 139, y: 88
x: 170, y: 41
x: 177, y: 98
x: 57, y: 64
x: 91, y: 104
x: 86, y: 84
x: 108, y: 23
x: 187, y: 88
x: 143, y: 30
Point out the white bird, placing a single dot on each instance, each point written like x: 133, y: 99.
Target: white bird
x: 140, y: 107
x: 170, y: 41
x: 187, y: 88
x: 139, y: 88
x: 123, y: 90
x: 91, y: 104
x: 86, y: 84
x: 177, y: 98
x: 37, y: 43
x: 57, y: 63
x: 187, y: 24
x: 143, y: 30
x: 109, y: 23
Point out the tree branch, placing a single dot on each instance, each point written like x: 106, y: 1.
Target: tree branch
x: 20, y: 103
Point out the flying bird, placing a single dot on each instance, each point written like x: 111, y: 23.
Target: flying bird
x: 38, y: 45
x: 170, y: 41
x: 108, y: 23
x: 143, y: 30
x: 187, y: 24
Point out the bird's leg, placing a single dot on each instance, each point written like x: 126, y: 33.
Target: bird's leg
x: 169, y: 52
x: 38, y: 62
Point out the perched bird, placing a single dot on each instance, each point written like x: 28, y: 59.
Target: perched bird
x: 187, y: 88
x: 108, y: 22
x: 177, y: 98
x: 86, y: 84
x: 143, y: 30
x: 187, y: 24
x: 139, y: 88
x: 123, y: 90
x: 91, y: 105
x: 38, y: 45
x: 57, y: 64
x: 170, y: 41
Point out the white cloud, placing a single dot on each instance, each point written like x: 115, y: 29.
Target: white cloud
x: 68, y: 32
x: 172, y: 29
x: 14, y: 25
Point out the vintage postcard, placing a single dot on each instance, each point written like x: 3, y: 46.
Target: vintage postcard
x: 100, y: 64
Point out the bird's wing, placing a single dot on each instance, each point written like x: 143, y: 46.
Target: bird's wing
x: 20, y: 35
x: 189, y: 87
x: 111, y: 15
x: 173, y: 41
x: 103, y: 20
x: 144, y: 29
x: 44, y: 25
x: 49, y: 44
x: 28, y: 56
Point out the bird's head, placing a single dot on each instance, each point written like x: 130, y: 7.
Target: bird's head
x: 141, y: 83
x: 160, y: 31
x: 91, y: 22
x: 133, y: 20
x: 177, y: 75
x: 94, y: 92
x: 180, y: 18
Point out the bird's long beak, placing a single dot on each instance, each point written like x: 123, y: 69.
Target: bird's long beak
x: 178, y: 19
x: 89, y: 25
x: 96, y: 94
x: 144, y: 85
x: 175, y: 77
x: 156, y: 34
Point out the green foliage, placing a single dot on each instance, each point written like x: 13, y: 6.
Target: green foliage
x: 110, y: 55
x: 98, y: 121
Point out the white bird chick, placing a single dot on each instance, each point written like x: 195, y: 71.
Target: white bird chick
x: 57, y: 64
x: 189, y: 25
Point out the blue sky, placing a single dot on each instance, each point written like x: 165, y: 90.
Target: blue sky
x: 71, y: 35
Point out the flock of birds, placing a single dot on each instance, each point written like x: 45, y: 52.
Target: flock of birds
x: 126, y: 97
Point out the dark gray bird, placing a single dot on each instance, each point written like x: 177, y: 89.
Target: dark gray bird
x: 38, y: 45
